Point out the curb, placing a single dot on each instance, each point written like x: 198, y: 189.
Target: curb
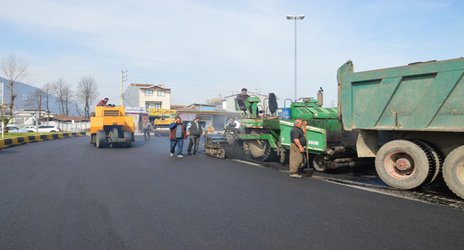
x: 11, y: 142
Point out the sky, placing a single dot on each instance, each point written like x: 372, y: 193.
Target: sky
x: 206, y: 49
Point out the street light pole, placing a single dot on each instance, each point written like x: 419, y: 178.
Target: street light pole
x: 295, y: 17
x: 2, y: 91
x: 1, y: 111
x: 123, y: 79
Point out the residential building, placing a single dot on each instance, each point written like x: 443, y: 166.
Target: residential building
x: 147, y: 96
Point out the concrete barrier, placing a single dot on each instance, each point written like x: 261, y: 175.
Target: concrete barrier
x: 15, y: 141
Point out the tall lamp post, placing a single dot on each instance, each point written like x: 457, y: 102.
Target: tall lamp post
x: 1, y: 111
x: 295, y: 17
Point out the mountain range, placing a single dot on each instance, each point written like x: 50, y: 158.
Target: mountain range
x: 26, y: 98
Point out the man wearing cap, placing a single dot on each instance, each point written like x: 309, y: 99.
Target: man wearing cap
x: 194, y: 131
x: 102, y: 102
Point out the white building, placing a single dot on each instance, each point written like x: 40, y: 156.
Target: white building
x: 228, y: 102
x: 147, y: 96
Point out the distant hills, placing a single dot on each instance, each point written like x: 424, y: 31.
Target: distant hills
x: 26, y: 99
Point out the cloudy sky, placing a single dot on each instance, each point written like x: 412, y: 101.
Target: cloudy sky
x: 202, y: 49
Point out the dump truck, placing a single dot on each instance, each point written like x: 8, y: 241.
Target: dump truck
x: 410, y: 119
x: 111, y: 127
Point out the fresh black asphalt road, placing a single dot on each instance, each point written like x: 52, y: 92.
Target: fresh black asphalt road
x: 67, y: 194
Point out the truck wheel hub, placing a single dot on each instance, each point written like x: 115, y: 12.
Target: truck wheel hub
x: 403, y: 164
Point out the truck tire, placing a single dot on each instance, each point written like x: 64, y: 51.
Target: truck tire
x: 453, y: 171
x: 437, y: 156
x: 403, y: 164
x: 100, y: 137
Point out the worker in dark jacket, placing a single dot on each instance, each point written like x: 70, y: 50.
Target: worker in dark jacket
x: 177, y: 135
x: 194, y: 131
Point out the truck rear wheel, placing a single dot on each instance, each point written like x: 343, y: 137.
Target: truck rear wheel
x: 100, y: 140
x: 437, y: 157
x: 403, y: 164
x: 453, y: 171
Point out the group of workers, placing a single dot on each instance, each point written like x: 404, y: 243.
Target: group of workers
x: 179, y: 132
x: 297, y: 158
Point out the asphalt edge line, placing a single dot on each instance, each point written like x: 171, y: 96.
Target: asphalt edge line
x: 249, y: 163
x: 374, y: 190
x: 367, y: 187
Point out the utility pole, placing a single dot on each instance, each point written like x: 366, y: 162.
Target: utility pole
x: 1, y: 111
x: 2, y: 93
x: 40, y: 108
x: 123, y: 79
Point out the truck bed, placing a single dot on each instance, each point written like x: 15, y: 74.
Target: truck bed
x: 418, y: 97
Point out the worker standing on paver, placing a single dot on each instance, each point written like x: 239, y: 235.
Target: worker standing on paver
x: 243, y: 94
x: 194, y: 131
x: 103, y: 102
x: 298, y: 142
x: 177, y: 135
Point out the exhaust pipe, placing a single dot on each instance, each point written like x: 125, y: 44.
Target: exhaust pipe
x: 320, y: 97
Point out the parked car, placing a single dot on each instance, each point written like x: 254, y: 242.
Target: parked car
x: 15, y: 129
x: 49, y: 128
x: 42, y: 128
x: 30, y: 128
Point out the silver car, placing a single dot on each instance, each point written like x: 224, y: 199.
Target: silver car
x: 14, y: 129
x: 42, y: 128
x: 49, y: 128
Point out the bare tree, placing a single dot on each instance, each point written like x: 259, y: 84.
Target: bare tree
x: 63, y: 93
x: 78, y: 109
x: 32, y: 100
x: 13, y: 68
x: 86, y: 93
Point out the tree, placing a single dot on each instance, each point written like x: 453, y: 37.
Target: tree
x: 13, y: 68
x: 63, y: 93
x: 32, y: 101
x: 87, y: 93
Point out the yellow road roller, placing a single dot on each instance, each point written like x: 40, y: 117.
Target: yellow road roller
x: 111, y: 127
